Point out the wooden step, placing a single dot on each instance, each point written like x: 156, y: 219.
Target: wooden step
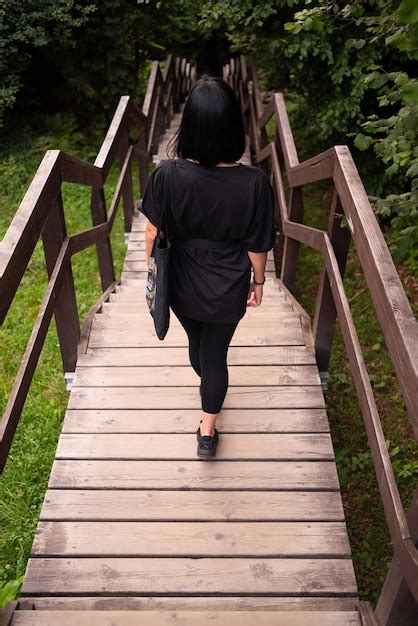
x: 256, y: 397
x: 194, y: 539
x: 195, y: 603
x: 103, y: 420
x: 226, y: 475
x: 131, y: 505
x: 185, y: 618
x: 120, y: 308
x: 187, y: 576
x: 252, y: 319
x: 270, y: 320
x: 185, y: 376
x: 238, y: 447
x: 291, y: 335
x: 237, y: 355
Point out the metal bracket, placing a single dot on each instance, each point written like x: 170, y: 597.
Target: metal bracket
x: 69, y: 377
x: 324, y: 376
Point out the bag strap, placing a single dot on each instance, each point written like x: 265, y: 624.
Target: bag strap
x: 162, y: 216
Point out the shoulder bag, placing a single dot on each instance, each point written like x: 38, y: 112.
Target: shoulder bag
x: 157, y: 285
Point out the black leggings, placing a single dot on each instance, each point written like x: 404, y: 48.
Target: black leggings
x: 208, y: 349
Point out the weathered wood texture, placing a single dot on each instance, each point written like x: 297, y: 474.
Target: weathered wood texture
x: 186, y: 618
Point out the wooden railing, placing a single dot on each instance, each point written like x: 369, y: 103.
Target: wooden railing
x: 400, y: 329
x: 41, y: 213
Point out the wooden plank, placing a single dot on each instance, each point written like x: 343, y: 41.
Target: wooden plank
x: 188, y: 397
x: 110, y: 143
x: 184, y: 420
x: 125, y: 505
x: 130, y: 319
x: 188, y: 576
x: 237, y: 355
x: 121, y: 307
x: 207, y: 603
x: 138, y: 226
x: 194, y: 539
x: 146, y: 336
x: 181, y: 376
x: 133, y: 275
x: 54, y: 234
x: 227, y: 475
x: 243, y: 447
x: 103, y: 246
x: 319, y: 167
x: 186, y: 618
x: 271, y: 322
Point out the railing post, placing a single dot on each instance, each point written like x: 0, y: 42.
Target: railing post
x: 258, y: 109
x: 103, y: 247
x: 396, y: 605
x: 325, y: 311
x: 7, y: 613
x: 253, y: 121
x: 127, y: 188
x: 176, y: 90
x: 142, y: 160
x: 291, y: 247
x: 66, y: 313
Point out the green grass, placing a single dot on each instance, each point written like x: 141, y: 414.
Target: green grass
x: 369, y: 536
x: 25, y: 477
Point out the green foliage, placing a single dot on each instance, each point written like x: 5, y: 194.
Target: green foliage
x: 26, y: 27
x: 9, y: 591
x: 82, y: 56
x: 347, y: 72
x: 394, y: 138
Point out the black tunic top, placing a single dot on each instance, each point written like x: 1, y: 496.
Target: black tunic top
x: 233, y: 203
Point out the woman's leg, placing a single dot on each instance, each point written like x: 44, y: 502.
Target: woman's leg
x: 214, y: 346
x: 193, y: 329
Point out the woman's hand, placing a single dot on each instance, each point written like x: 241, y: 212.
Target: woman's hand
x: 255, y: 294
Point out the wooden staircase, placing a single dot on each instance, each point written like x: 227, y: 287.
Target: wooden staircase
x: 136, y: 530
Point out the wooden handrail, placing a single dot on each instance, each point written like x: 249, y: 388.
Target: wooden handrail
x: 20, y: 239
x: 41, y: 214
x: 399, y: 327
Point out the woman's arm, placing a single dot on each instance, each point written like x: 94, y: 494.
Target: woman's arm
x: 258, y: 261
x: 150, y: 235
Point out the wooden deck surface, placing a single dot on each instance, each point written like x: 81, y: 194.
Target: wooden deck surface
x: 135, y: 526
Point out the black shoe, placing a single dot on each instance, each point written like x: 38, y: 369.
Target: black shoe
x: 206, y: 448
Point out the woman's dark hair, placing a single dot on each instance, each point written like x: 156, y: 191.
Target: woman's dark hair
x: 211, y: 128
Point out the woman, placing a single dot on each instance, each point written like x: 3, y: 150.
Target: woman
x: 221, y: 214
